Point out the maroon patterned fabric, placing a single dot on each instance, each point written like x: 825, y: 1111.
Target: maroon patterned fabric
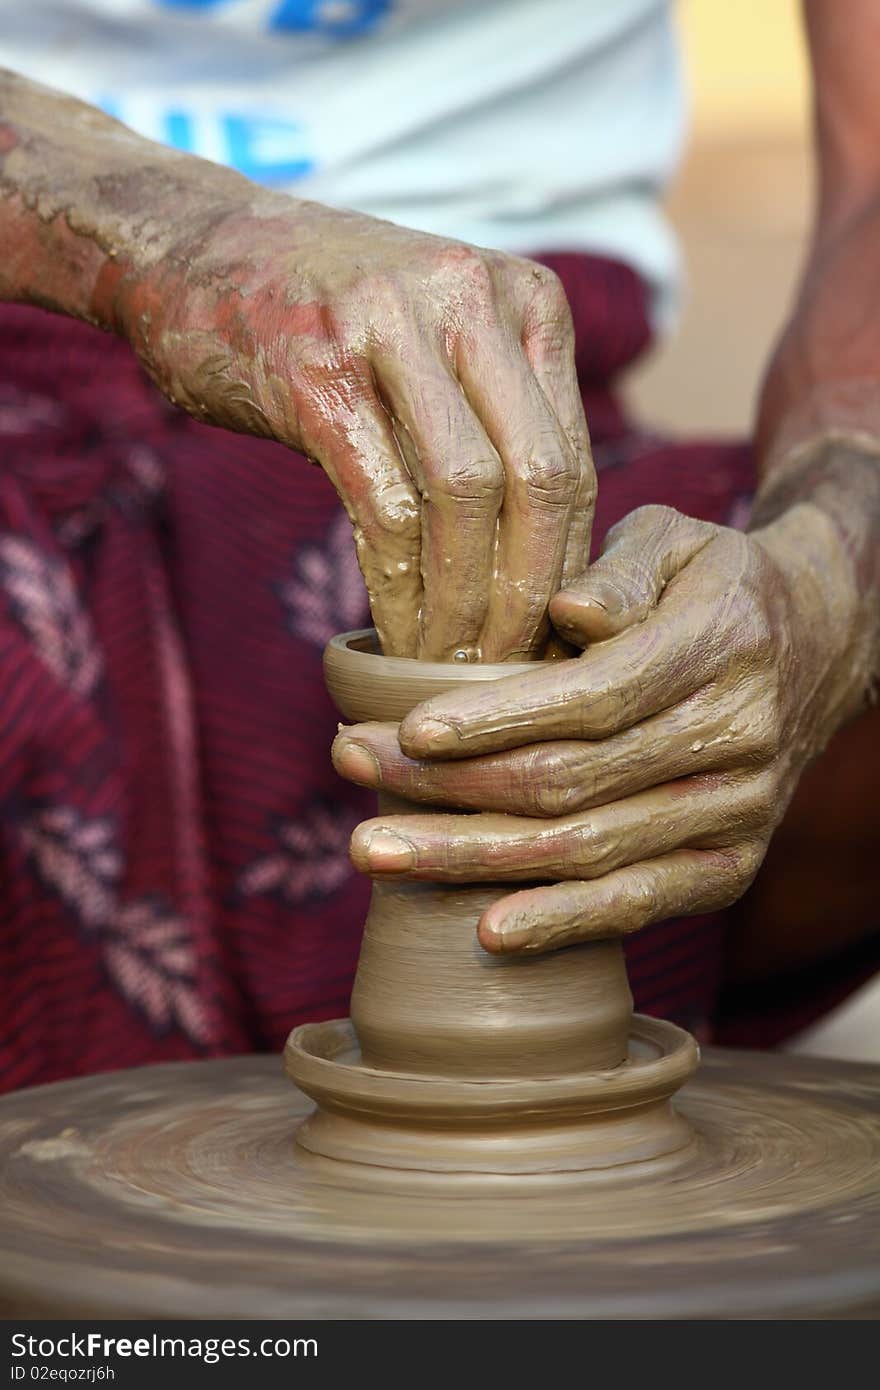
x: 174, y: 879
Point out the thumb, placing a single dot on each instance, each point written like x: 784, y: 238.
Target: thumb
x: 640, y: 556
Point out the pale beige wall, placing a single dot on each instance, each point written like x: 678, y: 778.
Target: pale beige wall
x: 747, y: 70
x: 741, y: 207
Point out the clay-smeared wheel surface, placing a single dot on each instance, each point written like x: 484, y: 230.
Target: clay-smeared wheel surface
x: 178, y: 1191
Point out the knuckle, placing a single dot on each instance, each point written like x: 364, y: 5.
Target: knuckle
x: 747, y: 861
x: 758, y: 744
x: 382, y: 290
x: 735, y: 870
x: 609, y: 708
x: 761, y: 637
x: 546, y: 782
x: 586, y: 478
x: 589, y: 847
x: 653, y: 517
x: 773, y: 723
x: 766, y: 728
x: 477, y: 480
x: 395, y: 513
x: 467, y: 266
x: 646, y: 902
x: 762, y: 801
x: 548, y: 298
x: 547, y: 320
x: 552, y: 800
x: 552, y: 477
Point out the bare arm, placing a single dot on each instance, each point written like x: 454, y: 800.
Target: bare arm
x: 818, y: 429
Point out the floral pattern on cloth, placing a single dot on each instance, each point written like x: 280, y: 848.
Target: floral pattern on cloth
x: 310, y: 861
x: 146, y: 949
x: 326, y: 594
x: 173, y: 837
x: 42, y: 597
x: 27, y: 412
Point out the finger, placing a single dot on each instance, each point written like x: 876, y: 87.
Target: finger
x: 461, y: 482
x: 694, y: 812
x: 613, y: 686
x: 350, y: 434
x: 640, y: 556
x: 526, y: 781
x: 560, y: 777
x: 541, y: 479
x: 548, y: 343
x: 681, y: 884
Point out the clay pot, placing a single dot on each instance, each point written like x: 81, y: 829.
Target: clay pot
x: 428, y: 1000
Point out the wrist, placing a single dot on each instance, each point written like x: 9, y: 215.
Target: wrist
x: 149, y: 260
x: 833, y: 625
x: 849, y: 194
x: 820, y: 417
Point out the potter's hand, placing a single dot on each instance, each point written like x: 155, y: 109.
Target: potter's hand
x: 434, y: 383
x: 647, y: 774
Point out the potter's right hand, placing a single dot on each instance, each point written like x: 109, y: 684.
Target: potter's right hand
x: 644, y: 779
x: 434, y: 383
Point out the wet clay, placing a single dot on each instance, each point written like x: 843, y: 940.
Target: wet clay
x: 548, y: 1126
x: 427, y: 997
x: 177, y: 1191
x: 458, y: 1059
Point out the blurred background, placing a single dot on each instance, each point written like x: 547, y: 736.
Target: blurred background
x: 741, y: 206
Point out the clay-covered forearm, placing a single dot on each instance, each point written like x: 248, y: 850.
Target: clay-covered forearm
x: 82, y: 198
x: 823, y: 499
x: 434, y: 382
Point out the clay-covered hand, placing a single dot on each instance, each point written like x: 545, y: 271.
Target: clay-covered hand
x: 434, y: 382
x: 643, y: 779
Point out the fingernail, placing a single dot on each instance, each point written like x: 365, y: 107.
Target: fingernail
x: 357, y: 763
x: 516, y: 940
x: 506, y: 935
x: 389, y: 853
x: 610, y: 598
x: 434, y: 736
x: 605, y: 596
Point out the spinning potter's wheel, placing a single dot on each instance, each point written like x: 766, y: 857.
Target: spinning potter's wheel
x: 179, y: 1191
x: 486, y: 1137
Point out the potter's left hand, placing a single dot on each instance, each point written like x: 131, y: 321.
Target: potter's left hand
x: 643, y: 779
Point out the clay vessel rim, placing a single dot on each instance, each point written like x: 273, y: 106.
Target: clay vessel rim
x: 360, y: 647
x: 319, y: 1057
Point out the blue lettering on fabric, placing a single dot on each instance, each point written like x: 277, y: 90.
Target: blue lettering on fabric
x: 333, y: 18
x: 342, y: 18
x: 268, y: 148
x: 179, y: 131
